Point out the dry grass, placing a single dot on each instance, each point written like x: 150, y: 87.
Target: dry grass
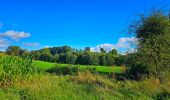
x: 88, y: 78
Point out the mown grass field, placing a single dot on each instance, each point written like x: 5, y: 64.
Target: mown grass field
x: 105, y: 69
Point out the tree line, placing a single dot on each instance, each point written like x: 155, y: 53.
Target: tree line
x: 68, y: 55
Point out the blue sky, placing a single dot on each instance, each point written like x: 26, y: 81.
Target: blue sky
x: 34, y: 24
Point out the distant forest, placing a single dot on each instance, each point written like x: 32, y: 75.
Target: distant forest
x: 68, y: 55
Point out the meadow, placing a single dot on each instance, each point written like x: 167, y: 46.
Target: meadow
x: 20, y: 81
x: 42, y: 65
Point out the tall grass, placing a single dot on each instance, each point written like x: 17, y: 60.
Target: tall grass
x: 17, y: 75
x: 85, y: 86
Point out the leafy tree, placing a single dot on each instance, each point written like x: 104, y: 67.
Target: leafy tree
x: 153, y: 33
x: 54, y: 50
x: 68, y: 58
x: 23, y: 53
x: 102, y: 60
x: 88, y: 58
x: 46, y: 57
x: 121, y: 60
x: 82, y: 59
x: 13, y: 50
x: 64, y: 49
x: 35, y: 54
x: 102, y: 50
x: 45, y: 51
x: 110, y: 59
x: 114, y: 52
x: 87, y: 49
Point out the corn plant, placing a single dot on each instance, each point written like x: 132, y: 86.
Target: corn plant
x: 12, y: 68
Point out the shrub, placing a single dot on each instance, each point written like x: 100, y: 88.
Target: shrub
x: 64, y: 70
x: 137, y: 71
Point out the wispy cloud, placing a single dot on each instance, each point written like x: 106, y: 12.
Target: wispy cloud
x: 29, y: 44
x: 123, y: 43
x: 15, y: 35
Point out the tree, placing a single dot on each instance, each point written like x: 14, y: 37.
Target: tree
x: 35, y: 55
x: 88, y: 58
x: 87, y: 49
x: 68, y: 58
x: 45, y: 51
x: 13, y: 50
x: 121, y: 60
x: 102, y: 60
x: 110, y: 59
x: 64, y: 49
x: 54, y: 50
x: 114, y: 52
x: 153, y: 33
x: 102, y: 50
x: 23, y: 53
x: 46, y: 57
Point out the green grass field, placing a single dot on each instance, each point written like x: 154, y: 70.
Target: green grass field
x: 106, y: 69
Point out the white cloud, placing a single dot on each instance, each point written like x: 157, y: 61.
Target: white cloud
x: 47, y: 46
x: 16, y: 35
x: 123, y: 43
x: 3, y: 43
x: 29, y: 44
x: 126, y: 42
x: 107, y: 47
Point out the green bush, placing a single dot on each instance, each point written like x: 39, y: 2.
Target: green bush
x: 64, y: 70
x: 12, y: 68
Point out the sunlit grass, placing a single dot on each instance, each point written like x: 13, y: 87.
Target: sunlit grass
x: 106, y: 69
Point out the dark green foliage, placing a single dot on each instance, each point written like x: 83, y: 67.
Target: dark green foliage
x: 16, y: 51
x: 64, y: 70
x: 110, y: 59
x: 114, y: 52
x: 137, y: 71
x: 102, y: 50
x: 162, y: 96
x: 67, y: 58
x: 87, y: 49
x: 88, y: 58
x: 58, y: 50
x: 13, y: 50
x: 23, y: 53
x: 121, y: 60
x: 35, y: 54
x: 102, y: 60
x: 46, y: 57
x: 153, y: 35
